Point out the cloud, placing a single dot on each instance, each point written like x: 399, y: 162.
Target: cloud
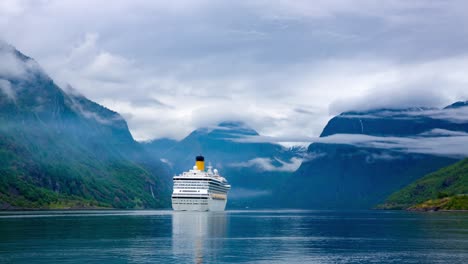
x: 435, y: 142
x: 11, y: 7
x: 410, y: 85
x: 454, y: 115
x: 14, y: 67
x: 93, y: 115
x: 395, y: 97
x: 166, y: 161
x: 443, y: 132
x: 382, y: 156
x: 276, y: 64
x: 108, y: 68
x: 5, y: 87
x: 267, y: 164
x: 457, y: 115
x: 333, y: 8
x: 453, y: 146
x: 151, y: 102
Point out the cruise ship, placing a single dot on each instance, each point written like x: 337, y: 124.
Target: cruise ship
x: 199, y: 189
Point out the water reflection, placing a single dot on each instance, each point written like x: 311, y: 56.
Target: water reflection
x: 233, y: 237
x: 198, y: 236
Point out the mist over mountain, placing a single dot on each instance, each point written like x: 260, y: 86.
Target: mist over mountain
x: 394, y: 122
x: 348, y: 175
x: 59, y: 150
x: 253, y: 169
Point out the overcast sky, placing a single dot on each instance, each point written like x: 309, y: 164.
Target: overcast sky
x: 283, y: 67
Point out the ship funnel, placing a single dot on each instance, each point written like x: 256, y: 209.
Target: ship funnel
x: 200, y: 163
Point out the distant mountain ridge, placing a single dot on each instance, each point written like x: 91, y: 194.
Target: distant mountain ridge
x: 457, y: 105
x: 391, y: 122
x: 253, y: 169
x: 348, y: 176
x: 61, y: 150
x: 331, y: 175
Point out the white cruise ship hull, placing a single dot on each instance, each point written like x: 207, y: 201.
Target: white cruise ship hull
x: 187, y: 204
x: 199, y: 189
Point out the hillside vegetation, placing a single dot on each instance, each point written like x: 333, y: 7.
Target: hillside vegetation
x: 444, y: 189
x: 60, y: 150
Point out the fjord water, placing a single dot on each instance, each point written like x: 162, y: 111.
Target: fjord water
x: 233, y: 236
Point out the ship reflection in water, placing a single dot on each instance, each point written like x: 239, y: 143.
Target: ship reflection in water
x: 198, y: 236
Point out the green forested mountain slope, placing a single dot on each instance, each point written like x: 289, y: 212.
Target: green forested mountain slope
x: 446, y: 188
x: 60, y: 150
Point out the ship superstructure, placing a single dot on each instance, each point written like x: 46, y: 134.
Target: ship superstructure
x: 199, y: 189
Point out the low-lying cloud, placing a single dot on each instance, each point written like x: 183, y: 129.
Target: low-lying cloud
x: 5, y: 88
x: 12, y: 67
x: 457, y: 115
x: 439, y: 145
x: 75, y: 104
x: 435, y: 142
x: 267, y: 164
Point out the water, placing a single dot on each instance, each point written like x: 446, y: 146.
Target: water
x: 233, y: 236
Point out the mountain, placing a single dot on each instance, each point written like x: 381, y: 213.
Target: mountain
x: 446, y: 188
x: 392, y: 122
x: 253, y: 169
x: 61, y: 150
x: 355, y: 176
x: 457, y: 105
x: 158, y: 146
